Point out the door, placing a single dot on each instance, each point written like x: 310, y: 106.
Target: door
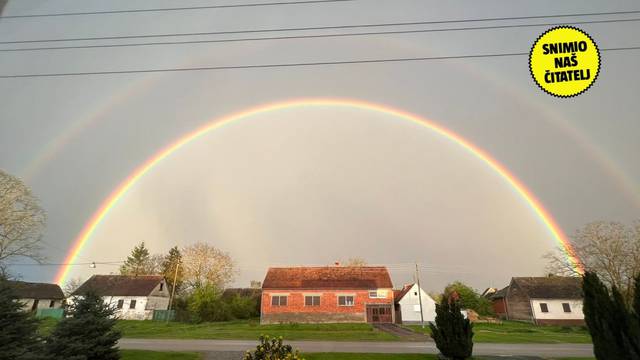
x: 379, y: 314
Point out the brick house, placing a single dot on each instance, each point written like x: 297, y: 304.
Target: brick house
x: 554, y: 300
x: 331, y: 294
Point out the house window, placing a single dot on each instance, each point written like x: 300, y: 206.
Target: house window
x: 377, y: 294
x: 132, y: 305
x: 312, y: 300
x: 566, y: 307
x: 279, y: 300
x: 120, y: 304
x: 52, y: 303
x: 345, y: 300
x: 544, y: 308
x: 161, y: 286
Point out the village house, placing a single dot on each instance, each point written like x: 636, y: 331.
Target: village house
x: 554, y: 300
x: 133, y: 297
x: 36, y: 296
x: 330, y: 294
x: 407, y: 305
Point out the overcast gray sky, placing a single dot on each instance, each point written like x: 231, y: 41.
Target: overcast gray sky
x: 315, y: 185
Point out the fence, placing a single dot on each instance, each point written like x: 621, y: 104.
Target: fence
x: 52, y: 313
x: 164, y: 315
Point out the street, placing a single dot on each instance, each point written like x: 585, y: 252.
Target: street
x: 556, y: 350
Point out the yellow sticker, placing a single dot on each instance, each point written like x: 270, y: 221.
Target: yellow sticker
x: 564, y: 61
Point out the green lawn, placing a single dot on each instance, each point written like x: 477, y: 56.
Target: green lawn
x: 157, y: 355
x: 518, y: 332
x: 250, y: 330
x: 363, y: 356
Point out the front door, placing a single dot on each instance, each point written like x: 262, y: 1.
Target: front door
x: 379, y: 314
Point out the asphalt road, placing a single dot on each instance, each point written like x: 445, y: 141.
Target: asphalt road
x: 545, y: 350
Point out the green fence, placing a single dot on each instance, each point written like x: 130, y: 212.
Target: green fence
x: 52, y: 313
x: 164, y: 315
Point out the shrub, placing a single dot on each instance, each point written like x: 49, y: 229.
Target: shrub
x: 18, y: 329
x: 205, y: 304
x: 243, y: 307
x: 272, y: 349
x: 452, y: 333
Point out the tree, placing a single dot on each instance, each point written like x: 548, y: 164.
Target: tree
x: 71, y: 285
x: 18, y: 329
x: 356, y: 261
x: 613, y: 329
x: 206, y: 265
x: 452, y: 333
x: 205, y: 304
x: 22, y: 221
x: 610, y: 249
x: 87, y: 333
x: 469, y: 298
x: 169, y: 266
x: 138, y: 263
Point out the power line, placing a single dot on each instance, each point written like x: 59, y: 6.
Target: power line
x: 279, y: 3
x: 285, y: 65
x: 334, y: 27
x: 292, y: 37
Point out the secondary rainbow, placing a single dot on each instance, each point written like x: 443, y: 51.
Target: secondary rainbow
x: 111, y: 201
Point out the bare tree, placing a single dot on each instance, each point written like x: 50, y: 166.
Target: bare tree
x: 611, y: 249
x: 206, y: 265
x: 71, y: 285
x: 355, y: 261
x: 22, y: 221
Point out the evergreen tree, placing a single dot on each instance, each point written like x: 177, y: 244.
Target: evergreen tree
x: 18, y: 329
x: 452, y: 333
x: 610, y: 323
x: 86, y: 333
x: 171, y: 261
x: 138, y: 263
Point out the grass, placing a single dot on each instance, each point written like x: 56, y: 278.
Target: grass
x: 372, y: 356
x: 250, y: 330
x: 157, y: 355
x: 519, y: 332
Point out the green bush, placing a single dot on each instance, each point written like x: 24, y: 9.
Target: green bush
x: 205, y: 304
x: 452, y: 333
x: 272, y: 349
x: 243, y: 307
x: 469, y: 298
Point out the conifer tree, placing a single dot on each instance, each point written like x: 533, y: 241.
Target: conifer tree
x: 86, y: 333
x: 18, y: 329
x: 452, y: 333
x: 171, y: 261
x: 138, y: 263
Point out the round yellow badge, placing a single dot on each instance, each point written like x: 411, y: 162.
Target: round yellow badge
x: 564, y: 61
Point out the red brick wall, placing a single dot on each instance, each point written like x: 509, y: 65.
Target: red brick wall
x: 328, y: 305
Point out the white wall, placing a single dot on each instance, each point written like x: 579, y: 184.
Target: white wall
x: 42, y: 304
x: 556, y: 311
x: 410, y: 306
x: 143, y: 309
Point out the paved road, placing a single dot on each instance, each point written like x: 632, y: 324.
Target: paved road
x: 545, y: 350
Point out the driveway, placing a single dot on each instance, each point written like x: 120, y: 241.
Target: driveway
x: 543, y: 350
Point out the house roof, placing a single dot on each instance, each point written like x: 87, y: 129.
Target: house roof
x: 328, y: 277
x: 500, y: 293
x: 120, y: 285
x: 30, y: 290
x: 552, y: 287
x: 399, y: 294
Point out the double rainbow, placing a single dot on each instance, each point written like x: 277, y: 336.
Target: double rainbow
x: 110, y: 202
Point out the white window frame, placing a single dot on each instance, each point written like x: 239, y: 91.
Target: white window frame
x: 319, y: 296
x: 279, y: 296
x: 353, y: 302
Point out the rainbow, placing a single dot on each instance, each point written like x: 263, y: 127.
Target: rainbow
x: 112, y: 200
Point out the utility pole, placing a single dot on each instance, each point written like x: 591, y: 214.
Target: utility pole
x: 173, y: 290
x: 419, y: 295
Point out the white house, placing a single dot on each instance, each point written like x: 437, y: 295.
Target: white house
x: 407, y: 303
x: 554, y: 300
x: 36, y: 296
x: 133, y: 297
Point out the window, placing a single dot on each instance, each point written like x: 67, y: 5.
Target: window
x: 52, y: 303
x: 279, y: 300
x: 566, y: 307
x: 544, y: 308
x: 345, y: 300
x: 377, y: 294
x: 312, y: 300
x: 120, y: 304
x: 132, y: 305
x: 373, y: 294
x: 161, y: 286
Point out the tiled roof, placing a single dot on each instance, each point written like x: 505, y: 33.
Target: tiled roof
x: 120, y: 285
x: 552, y: 287
x: 29, y: 290
x: 328, y: 277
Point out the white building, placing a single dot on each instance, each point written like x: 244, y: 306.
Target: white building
x: 36, y: 296
x: 407, y: 305
x: 133, y: 297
